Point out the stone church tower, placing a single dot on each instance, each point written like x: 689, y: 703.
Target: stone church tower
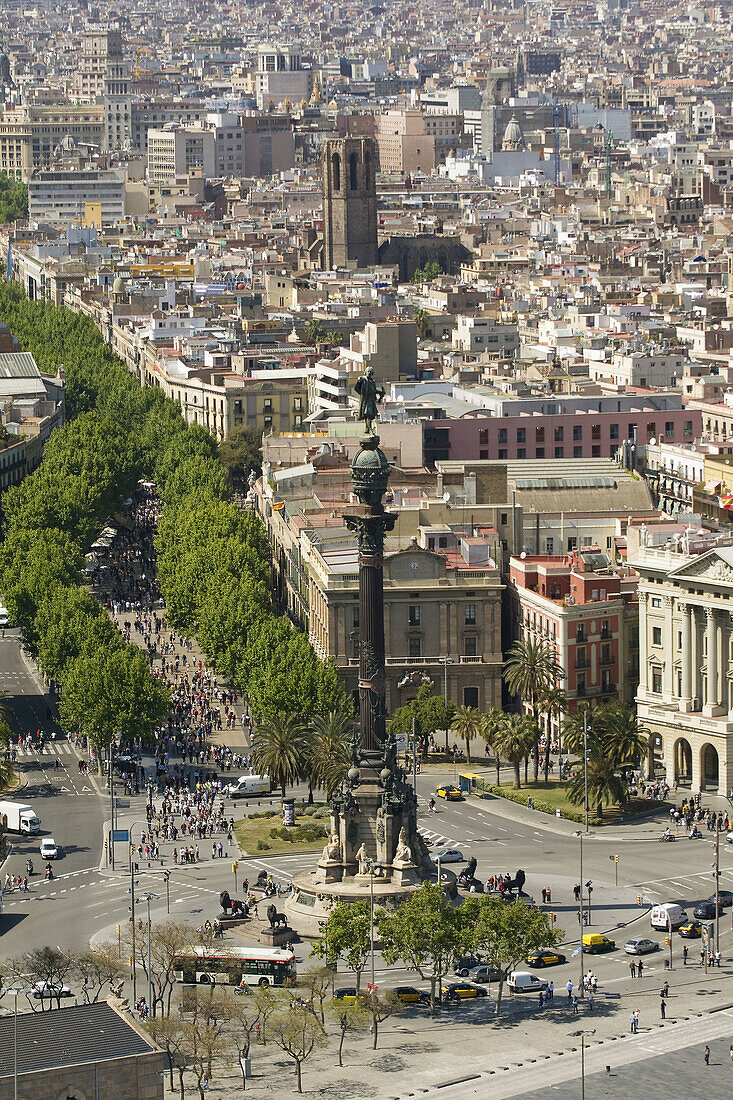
x: 349, y: 202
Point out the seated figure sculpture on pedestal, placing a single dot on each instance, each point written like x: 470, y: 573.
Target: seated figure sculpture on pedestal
x: 404, y: 851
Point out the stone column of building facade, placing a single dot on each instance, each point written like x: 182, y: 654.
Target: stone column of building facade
x: 686, y: 694
x: 711, y: 680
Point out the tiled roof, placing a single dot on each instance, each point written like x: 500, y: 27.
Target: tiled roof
x: 68, y: 1036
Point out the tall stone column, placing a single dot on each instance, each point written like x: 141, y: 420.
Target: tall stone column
x: 711, y: 699
x: 687, y: 656
x: 370, y: 473
x: 669, y: 692
x: 643, y: 644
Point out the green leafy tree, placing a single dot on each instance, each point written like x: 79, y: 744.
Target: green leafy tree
x: 13, y: 200
x: 503, y: 934
x: 347, y: 936
x: 424, y: 932
x: 516, y: 738
x: 241, y: 453
x: 279, y: 748
x: 431, y: 713
x: 314, y: 331
x: 553, y: 703
x: 426, y: 274
x: 531, y: 669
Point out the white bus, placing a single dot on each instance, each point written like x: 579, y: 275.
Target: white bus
x: 232, y: 965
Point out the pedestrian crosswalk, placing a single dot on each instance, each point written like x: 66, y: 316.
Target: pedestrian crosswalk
x: 691, y: 887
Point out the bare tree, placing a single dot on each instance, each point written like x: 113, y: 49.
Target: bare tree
x: 243, y: 1017
x: 167, y: 939
x: 350, y: 1018
x: 267, y: 1002
x: 170, y: 1034
x: 98, y: 967
x: 298, y: 1032
x: 48, y: 966
x: 317, y: 982
x: 380, y: 1007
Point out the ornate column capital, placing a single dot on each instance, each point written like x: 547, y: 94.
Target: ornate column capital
x: 642, y: 597
x: 668, y: 600
x: 710, y: 614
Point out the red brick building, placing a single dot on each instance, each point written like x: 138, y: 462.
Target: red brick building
x: 587, y: 609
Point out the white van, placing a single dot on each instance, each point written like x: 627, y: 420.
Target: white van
x: 521, y: 981
x: 668, y: 916
x: 248, y: 785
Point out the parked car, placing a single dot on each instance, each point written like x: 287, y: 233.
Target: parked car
x: 449, y: 792
x: 462, y: 991
x: 409, y: 995
x: 484, y: 973
x: 447, y: 855
x: 522, y: 981
x: 640, y: 946
x: 463, y: 963
x: 51, y: 989
x: 692, y: 930
x: 49, y: 848
x: 595, y: 944
x: 725, y: 898
x: 545, y: 958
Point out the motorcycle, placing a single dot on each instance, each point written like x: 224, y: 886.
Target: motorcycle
x: 29, y: 866
x: 49, y: 871
x: 667, y: 836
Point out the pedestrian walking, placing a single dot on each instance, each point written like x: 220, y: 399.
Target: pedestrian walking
x: 717, y: 958
x: 684, y: 955
x: 640, y: 967
x: 663, y: 1007
x: 575, y: 1005
x: 569, y: 988
x: 590, y: 1001
x: 544, y: 896
x: 731, y: 1052
x: 550, y: 991
x: 632, y: 968
x: 707, y: 1055
x: 541, y: 999
x: 631, y: 1022
x: 636, y: 1021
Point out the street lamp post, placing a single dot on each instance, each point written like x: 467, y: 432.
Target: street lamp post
x: 148, y: 898
x: 581, y: 910
x: 445, y: 661
x: 585, y: 772
x: 15, y: 992
x: 583, y: 1035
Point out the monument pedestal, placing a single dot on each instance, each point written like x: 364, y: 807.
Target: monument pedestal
x: 276, y: 937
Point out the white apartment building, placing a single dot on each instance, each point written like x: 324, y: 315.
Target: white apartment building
x: 176, y: 150
x: 484, y: 334
x: 653, y: 368
x: 280, y: 76
x: 66, y: 197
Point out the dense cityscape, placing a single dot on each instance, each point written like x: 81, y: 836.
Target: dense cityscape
x: 366, y: 670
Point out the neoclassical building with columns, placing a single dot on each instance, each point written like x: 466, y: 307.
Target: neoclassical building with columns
x: 685, y: 695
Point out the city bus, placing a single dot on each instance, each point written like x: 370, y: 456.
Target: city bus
x: 232, y: 965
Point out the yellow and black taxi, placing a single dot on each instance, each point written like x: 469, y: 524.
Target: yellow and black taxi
x: 691, y: 931
x: 545, y: 958
x: 410, y: 995
x: 461, y: 991
x: 449, y: 792
x: 349, y: 995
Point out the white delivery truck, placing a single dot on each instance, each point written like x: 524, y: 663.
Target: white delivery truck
x: 18, y: 817
x: 248, y: 785
x: 669, y: 916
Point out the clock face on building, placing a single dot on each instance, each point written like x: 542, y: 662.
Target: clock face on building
x: 414, y: 566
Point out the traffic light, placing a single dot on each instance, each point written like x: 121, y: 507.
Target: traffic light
x: 638, y: 899
x: 551, y: 917
x: 117, y: 929
x: 615, y: 859
x: 668, y: 940
x: 235, y: 865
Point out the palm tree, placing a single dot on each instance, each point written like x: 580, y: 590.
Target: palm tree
x: 330, y: 750
x: 573, y: 734
x: 624, y: 738
x: 279, y: 748
x: 421, y: 317
x: 467, y: 723
x: 530, y: 671
x: 604, y: 785
x: 490, y: 729
x: 553, y: 703
x: 516, y: 737
x: 7, y: 773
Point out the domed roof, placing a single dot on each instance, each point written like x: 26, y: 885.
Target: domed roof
x: 118, y: 285
x: 513, y: 136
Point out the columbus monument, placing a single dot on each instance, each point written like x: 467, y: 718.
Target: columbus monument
x: 373, y: 842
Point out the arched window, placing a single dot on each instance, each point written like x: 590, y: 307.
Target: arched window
x: 336, y: 172
x: 353, y: 181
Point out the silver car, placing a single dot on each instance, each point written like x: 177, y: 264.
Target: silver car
x: 640, y: 946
